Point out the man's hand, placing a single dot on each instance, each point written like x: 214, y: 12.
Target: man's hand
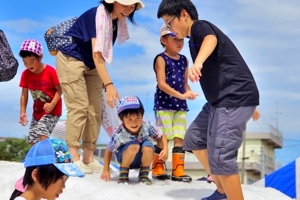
x: 195, y: 73
x: 256, y: 115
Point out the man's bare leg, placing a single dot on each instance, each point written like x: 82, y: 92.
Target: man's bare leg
x: 202, y: 156
x: 232, y: 186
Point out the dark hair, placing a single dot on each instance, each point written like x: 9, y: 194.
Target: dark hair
x: 15, y: 194
x: 24, y: 54
x: 46, y: 175
x: 164, y: 36
x: 109, y: 7
x: 174, y: 8
x: 129, y: 112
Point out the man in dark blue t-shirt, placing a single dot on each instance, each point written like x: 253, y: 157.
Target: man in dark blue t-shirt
x: 229, y: 88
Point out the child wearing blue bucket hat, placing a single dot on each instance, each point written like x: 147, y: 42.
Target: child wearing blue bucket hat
x: 48, y: 165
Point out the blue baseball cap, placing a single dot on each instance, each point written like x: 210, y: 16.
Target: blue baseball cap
x: 52, y: 151
x: 129, y: 102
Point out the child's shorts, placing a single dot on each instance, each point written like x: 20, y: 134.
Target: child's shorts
x: 220, y: 131
x: 136, y: 164
x: 172, y: 123
x: 44, y: 126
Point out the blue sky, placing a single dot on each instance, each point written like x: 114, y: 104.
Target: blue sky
x: 265, y: 32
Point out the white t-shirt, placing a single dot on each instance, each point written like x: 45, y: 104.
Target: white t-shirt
x: 19, y: 198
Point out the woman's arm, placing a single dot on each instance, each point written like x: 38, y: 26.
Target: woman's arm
x: 111, y: 92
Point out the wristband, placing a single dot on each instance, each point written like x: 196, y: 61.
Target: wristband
x: 107, y: 85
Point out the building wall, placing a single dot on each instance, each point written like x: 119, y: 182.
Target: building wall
x: 251, y: 177
x: 252, y: 150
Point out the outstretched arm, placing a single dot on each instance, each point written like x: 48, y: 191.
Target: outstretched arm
x: 207, y: 47
x: 23, y: 104
x: 256, y: 115
x: 160, y: 67
x: 187, y: 88
x: 164, y: 152
x: 111, y: 93
x: 107, y: 157
x: 186, y: 75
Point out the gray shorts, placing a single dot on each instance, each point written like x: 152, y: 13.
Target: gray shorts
x: 220, y: 131
x: 44, y: 126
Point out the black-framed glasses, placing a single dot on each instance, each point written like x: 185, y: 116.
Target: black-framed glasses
x: 170, y: 22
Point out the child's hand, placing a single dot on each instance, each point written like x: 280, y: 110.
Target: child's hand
x: 48, y: 107
x: 195, y: 73
x: 190, y: 95
x: 105, y: 175
x: 163, y: 155
x: 23, y: 119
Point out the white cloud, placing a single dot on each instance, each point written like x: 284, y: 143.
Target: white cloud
x: 24, y: 25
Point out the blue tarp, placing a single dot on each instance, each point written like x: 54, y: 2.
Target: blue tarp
x: 283, y: 179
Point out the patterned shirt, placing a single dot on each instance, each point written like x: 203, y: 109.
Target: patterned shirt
x: 175, y: 72
x: 121, y: 136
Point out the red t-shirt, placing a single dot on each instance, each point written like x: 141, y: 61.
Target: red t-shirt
x: 42, y: 88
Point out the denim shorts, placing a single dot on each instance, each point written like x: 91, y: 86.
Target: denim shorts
x: 136, y: 164
x: 220, y: 131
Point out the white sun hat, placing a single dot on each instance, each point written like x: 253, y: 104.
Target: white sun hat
x: 128, y: 2
x: 164, y: 30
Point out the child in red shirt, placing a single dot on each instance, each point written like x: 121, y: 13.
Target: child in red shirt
x: 42, y: 82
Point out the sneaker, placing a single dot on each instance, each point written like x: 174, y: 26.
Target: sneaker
x: 96, y: 166
x: 84, y: 168
x: 216, y: 196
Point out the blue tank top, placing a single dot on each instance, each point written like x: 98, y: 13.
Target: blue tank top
x: 175, y: 71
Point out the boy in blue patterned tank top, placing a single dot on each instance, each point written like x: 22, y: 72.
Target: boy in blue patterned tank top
x: 170, y: 104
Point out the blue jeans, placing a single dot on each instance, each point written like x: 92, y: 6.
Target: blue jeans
x: 136, y: 164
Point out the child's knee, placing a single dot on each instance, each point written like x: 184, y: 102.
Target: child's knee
x: 148, y: 144
x: 133, y: 148
x: 147, y: 150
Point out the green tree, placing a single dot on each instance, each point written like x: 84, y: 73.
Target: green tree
x: 14, y: 149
